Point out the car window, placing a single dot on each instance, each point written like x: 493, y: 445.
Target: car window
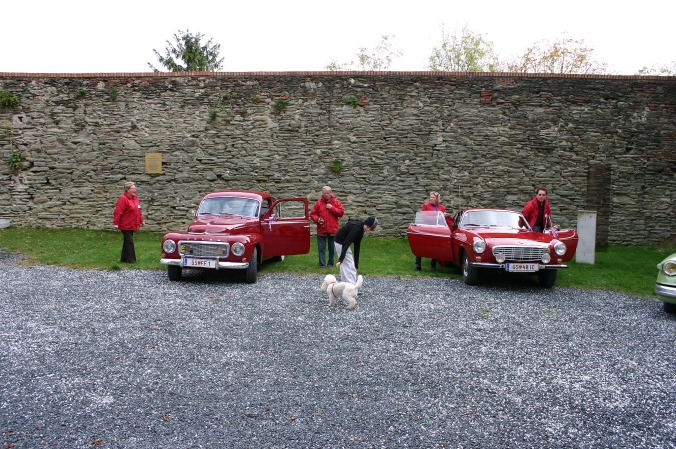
x: 250, y: 208
x: 209, y: 206
x: 265, y: 206
x: 246, y: 207
x: 433, y: 218
x: 290, y: 209
x: 277, y: 211
x: 492, y: 218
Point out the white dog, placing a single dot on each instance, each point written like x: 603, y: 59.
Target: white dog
x: 345, y: 289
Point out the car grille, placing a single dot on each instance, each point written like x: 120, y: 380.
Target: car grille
x: 203, y: 249
x: 521, y: 253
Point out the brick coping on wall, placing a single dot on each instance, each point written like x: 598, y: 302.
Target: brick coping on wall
x: 328, y: 73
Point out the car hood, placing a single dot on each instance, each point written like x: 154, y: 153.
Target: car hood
x: 507, y: 236
x: 221, y: 225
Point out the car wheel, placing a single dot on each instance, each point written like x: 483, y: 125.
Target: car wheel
x: 174, y: 272
x: 252, y: 271
x: 669, y: 307
x: 547, y: 278
x: 470, y: 274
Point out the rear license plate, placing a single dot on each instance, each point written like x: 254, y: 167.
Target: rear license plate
x: 523, y: 267
x: 199, y: 263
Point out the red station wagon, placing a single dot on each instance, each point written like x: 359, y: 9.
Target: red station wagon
x: 238, y: 230
x: 490, y: 239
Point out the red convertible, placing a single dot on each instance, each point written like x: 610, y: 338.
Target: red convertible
x: 237, y: 230
x: 484, y: 239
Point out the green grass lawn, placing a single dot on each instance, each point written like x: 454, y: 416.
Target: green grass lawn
x: 622, y: 268
x: 81, y: 248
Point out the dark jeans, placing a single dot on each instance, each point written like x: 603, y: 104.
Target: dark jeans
x: 321, y: 249
x: 418, y: 262
x: 128, y: 253
x: 537, y: 229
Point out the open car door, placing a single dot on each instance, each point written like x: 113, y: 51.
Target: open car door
x: 285, y: 228
x: 430, y: 237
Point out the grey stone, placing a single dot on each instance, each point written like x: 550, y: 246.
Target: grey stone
x: 417, y: 133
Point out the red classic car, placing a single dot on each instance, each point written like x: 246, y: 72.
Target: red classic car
x: 238, y: 229
x: 478, y: 239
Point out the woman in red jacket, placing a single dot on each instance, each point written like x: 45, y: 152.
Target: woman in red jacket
x: 128, y: 218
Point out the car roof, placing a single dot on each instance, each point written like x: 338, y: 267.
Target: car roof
x: 240, y: 193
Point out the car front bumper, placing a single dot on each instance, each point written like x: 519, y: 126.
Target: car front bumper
x: 666, y: 292
x: 504, y: 265
x: 219, y: 265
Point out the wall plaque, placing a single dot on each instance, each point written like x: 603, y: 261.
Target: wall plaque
x: 153, y: 162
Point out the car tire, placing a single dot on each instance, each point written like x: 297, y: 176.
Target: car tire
x: 174, y: 272
x: 547, y: 278
x: 669, y: 307
x: 470, y: 274
x: 251, y: 273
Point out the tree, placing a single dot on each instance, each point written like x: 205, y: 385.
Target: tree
x: 188, y: 49
x: 380, y: 57
x: 463, y: 51
x: 561, y: 56
x: 665, y: 70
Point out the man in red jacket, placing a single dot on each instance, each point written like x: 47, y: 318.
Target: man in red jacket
x: 326, y: 212
x: 537, y: 211
x: 128, y: 218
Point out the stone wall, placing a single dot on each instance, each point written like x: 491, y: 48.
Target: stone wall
x: 483, y: 140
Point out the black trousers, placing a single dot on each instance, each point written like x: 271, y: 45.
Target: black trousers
x: 128, y: 253
x: 418, y: 261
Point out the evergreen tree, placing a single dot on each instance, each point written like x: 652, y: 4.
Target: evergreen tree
x: 188, y: 55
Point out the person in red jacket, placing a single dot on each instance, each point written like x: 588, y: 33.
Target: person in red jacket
x: 326, y: 212
x: 434, y: 204
x: 537, y: 211
x: 128, y: 218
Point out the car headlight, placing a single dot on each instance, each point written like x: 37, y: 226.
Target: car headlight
x: 479, y: 246
x: 560, y: 248
x: 499, y: 257
x: 546, y: 257
x: 669, y: 267
x: 169, y: 246
x: 238, y: 249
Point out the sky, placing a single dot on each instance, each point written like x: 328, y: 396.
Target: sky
x: 73, y: 36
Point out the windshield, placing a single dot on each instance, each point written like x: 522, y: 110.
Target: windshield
x: 493, y: 218
x: 245, y: 207
x: 430, y: 218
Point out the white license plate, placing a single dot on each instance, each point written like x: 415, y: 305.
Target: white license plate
x: 523, y: 267
x: 199, y: 263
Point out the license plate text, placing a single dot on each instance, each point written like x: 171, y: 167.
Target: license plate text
x: 523, y: 267
x: 199, y: 263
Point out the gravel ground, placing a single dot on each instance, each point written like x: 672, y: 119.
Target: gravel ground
x: 128, y: 359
